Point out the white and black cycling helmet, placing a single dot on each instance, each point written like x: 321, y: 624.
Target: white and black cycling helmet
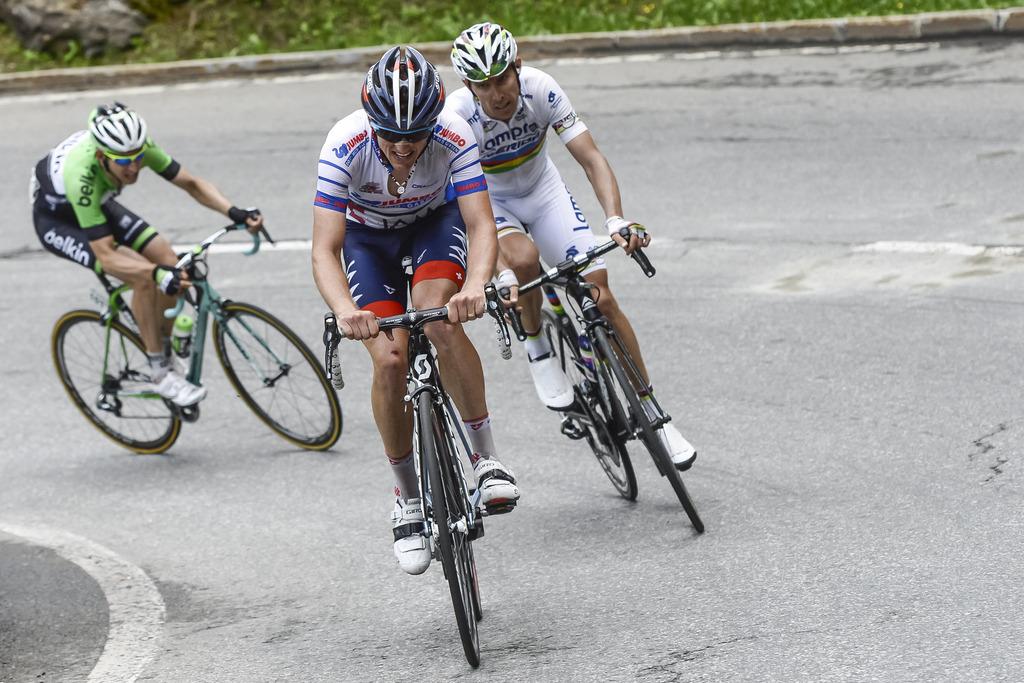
x: 117, y: 129
x: 483, y: 51
x: 403, y: 92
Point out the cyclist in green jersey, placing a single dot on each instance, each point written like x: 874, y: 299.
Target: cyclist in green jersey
x: 76, y: 217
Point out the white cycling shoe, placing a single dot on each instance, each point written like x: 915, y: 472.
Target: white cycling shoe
x: 683, y: 454
x: 497, y: 486
x: 178, y: 390
x: 412, y: 549
x: 553, y: 387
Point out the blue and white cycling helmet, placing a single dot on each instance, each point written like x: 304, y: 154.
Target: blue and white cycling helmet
x: 483, y: 51
x: 403, y: 92
x: 117, y: 129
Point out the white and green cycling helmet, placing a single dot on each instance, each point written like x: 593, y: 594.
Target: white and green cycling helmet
x: 117, y: 129
x: 483, y: 51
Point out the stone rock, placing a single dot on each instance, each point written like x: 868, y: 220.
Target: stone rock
x: 48, y: 25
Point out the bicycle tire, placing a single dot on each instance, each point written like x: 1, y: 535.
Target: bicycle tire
x: 315, y: 424
x: 158, y: 426
x: 645, y: 431
x: 456, y: 554
x: 610, y: 452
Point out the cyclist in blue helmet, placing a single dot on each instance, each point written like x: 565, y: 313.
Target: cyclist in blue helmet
x: 402, y: 177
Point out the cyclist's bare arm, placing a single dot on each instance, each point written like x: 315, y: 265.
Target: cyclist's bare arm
x: 328, y: 240
x: 599, y: 172
x: 207, y: 194
x: 483, y: 255
x: 125, y: 264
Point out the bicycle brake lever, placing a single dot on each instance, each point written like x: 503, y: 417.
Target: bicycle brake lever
x: 512, y: 313
x: 332, y: 363
x: 495, y: 309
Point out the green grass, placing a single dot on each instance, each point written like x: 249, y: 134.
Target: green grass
x: 192, y: 29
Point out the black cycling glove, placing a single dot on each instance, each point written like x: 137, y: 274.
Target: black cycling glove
x: 240, y: 216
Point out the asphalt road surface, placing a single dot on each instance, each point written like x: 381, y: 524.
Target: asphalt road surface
x: 827, y: 326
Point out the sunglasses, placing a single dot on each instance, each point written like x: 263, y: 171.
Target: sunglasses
x: 125, y: 161
x: 479, y: 75
x: 404, y: 136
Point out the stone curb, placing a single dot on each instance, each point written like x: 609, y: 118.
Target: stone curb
x: 935, y: 25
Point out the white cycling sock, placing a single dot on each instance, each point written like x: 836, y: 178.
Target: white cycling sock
x: 159, y: 365
x: 407, y: 483
x: 537, y: 345
x: 479, y: 432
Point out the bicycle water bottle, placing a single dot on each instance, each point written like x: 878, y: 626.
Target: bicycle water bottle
x: 181, y: 335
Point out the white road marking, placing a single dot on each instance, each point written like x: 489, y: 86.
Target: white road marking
x: 950, y: 248
x: 884, y: 247
x: 135, y: 606
x: 242, y: 247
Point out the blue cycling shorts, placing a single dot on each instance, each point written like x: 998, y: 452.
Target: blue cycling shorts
x: 373, y: 258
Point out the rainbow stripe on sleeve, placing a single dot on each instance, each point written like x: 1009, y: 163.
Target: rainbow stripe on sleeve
x: 512, y: 160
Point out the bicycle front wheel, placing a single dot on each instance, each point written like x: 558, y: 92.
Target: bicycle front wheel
x: 628, y: 378
x: 449, y: 522
x: 106, y: 374
x: 611, y: 454
x: 277, y: 376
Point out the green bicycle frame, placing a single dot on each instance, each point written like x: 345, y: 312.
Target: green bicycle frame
x: 210, y: 303
x: 113, y: 310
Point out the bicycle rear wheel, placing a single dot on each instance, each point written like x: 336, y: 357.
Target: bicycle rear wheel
x: 277, y: 376
x: 628, y: 378
x: 611, y: 454
x: 449, y: 517
x: 117, y: 396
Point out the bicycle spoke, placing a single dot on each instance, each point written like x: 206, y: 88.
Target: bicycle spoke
x: 139, y: 422
x: 278, y: 381
x: 610, y: 452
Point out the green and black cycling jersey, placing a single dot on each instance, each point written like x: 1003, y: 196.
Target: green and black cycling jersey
x: 73, y: 186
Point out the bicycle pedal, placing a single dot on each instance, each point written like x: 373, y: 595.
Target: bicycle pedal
x: 190, y: 413
x: 573, y: 407
x: 500, y: 508
x: 477, y: 530
x: 572, y: 428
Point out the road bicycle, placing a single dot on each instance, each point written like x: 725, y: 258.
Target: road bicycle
x: 452, y: 510
x: 609, y: 388
x: 101, y: 362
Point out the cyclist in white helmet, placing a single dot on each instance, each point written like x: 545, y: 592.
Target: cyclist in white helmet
x: 76, y: 217
x: 510, y: 108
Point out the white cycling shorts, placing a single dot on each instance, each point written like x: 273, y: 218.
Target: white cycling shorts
x: 550, y: 216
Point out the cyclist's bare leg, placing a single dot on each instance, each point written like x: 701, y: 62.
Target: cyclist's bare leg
x: 609, y: 307
x: 520, y: 254
x: 681, y: 451
x: 144, y: 299
x: 459, y: 362
x: 159, y: 252
x: 393, y: 418
x: 463, y: 378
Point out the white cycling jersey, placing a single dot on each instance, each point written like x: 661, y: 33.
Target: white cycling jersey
x: 352, y: 175
x: 512, y: 154
x: 527, y: 192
